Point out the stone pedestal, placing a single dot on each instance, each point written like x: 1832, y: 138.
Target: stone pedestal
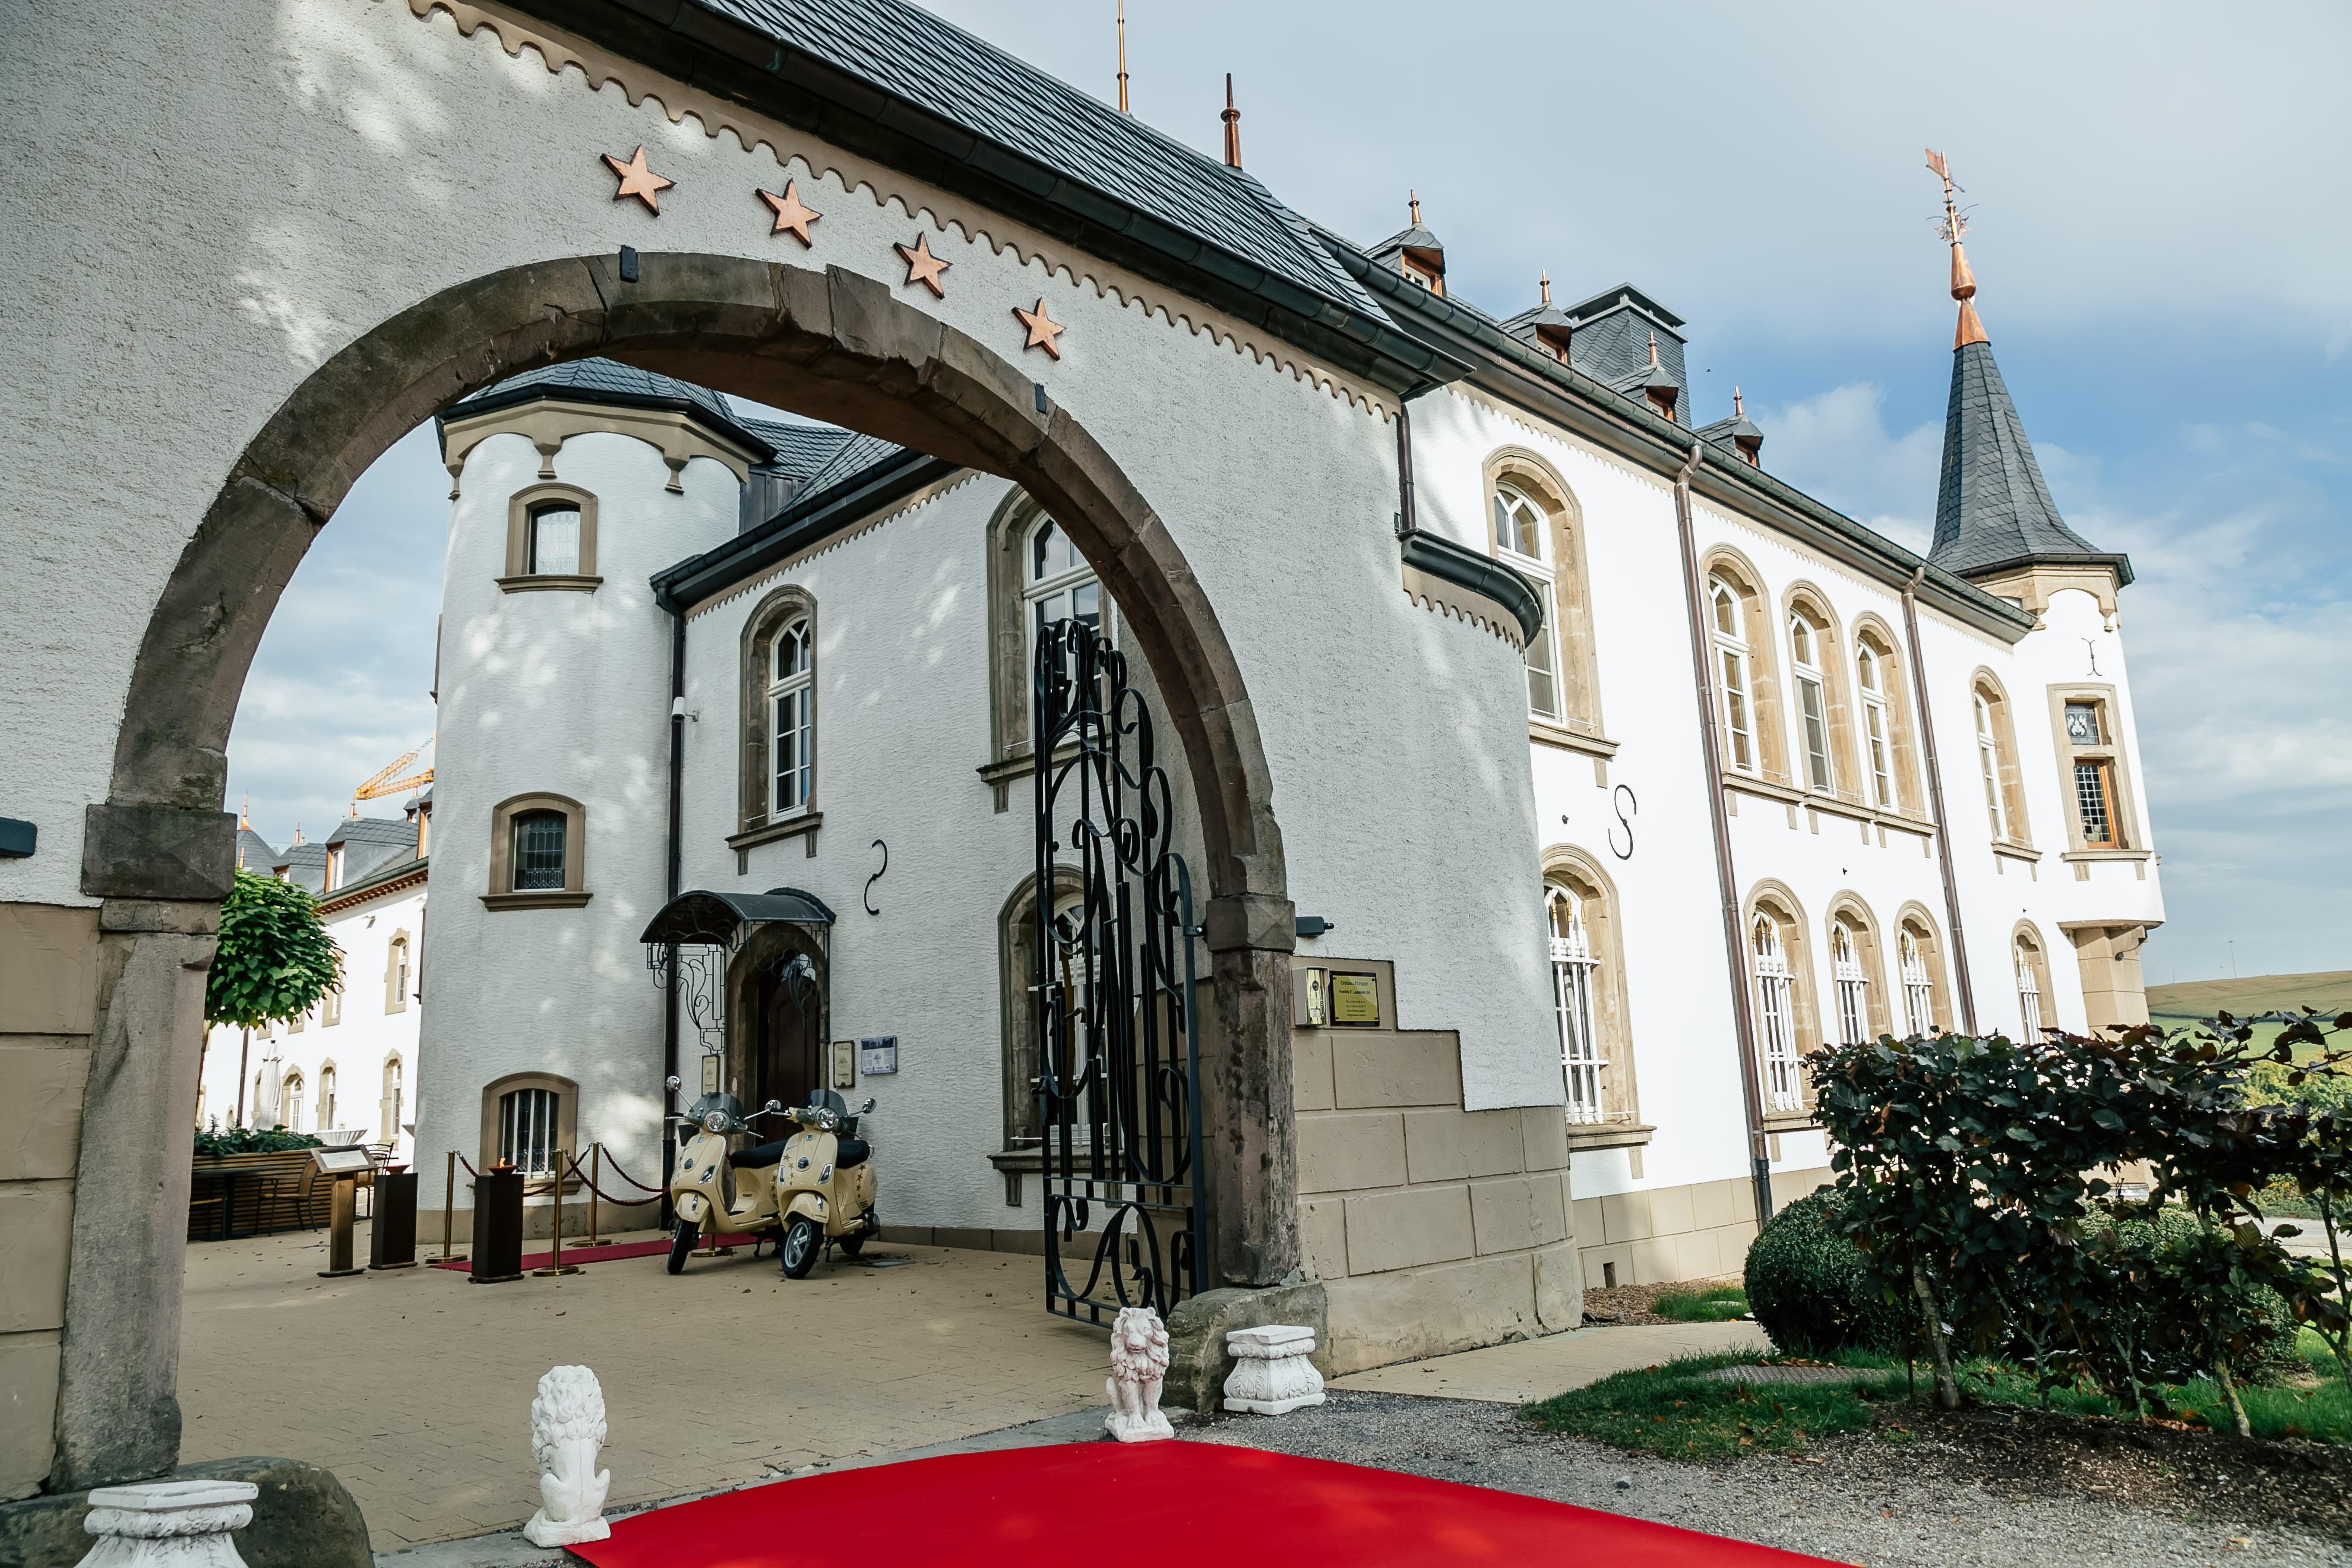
x: 185, y: 1525
x: 1272, y: 1372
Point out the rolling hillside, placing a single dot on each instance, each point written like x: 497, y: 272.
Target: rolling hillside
x: 2330, y: 992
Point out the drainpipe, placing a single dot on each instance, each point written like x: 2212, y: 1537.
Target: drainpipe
x: 1404, y: 523
x: 1759, y: 1161
x: 1936, y: 792
x: 677, y: 841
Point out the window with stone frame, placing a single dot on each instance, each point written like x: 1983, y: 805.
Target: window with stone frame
x: 1058, y: 584
x: 1812, y: 689
x: 538, y: 858
x: 1878, y: 727
x: 1023, y: 974
x: 1776, y: 1016
x: 1536, y: 529
x: 327, y: 1097
x: 792, y: 725
x: 1887, y: 742
x: 1733, y: 684
x: 2090, y: 761
x: 393, y: 1103
x: 2035, y: 1011
x: 1589, y: 997
x: 290, y: 1102
x: 1997, y: 769
x: 1919, y: 1011
x: 1853, y: 982
x: 781, y: 718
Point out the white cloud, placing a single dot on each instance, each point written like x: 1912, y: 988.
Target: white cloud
x: 1835, y: 446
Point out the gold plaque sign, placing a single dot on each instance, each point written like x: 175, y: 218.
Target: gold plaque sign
x: 844, y: 1064
x: 1315, y: 1014
x: 710, y: 1074
x: 1356, y: 999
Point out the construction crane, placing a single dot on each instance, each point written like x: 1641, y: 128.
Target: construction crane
x: 384, y: 782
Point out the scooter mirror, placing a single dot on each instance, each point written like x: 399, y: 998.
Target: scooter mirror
x: 673, y: 1083
x: 775, y: 1105
x: 868, y: 1106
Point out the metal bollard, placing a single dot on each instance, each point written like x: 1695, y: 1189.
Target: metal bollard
x: 449, y: 1203
x: 595, y: 1179
x: 555, y: 1264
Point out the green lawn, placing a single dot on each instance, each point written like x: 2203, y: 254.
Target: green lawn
x: 1716, y: 1304
x: 1670, y: 1410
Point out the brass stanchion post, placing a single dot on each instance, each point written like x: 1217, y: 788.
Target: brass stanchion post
x: 555, y: 1264
x: 448, y: 1202
x: 595, y: 1179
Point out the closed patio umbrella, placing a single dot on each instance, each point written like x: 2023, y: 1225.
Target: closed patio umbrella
x: 264, y: 1103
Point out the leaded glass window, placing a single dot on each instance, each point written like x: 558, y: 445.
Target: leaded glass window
x: 791, y: 717
x: 527, y: 1129
x: 539, y: 851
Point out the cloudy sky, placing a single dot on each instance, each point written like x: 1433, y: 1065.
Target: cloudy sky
x: 2159, y: 236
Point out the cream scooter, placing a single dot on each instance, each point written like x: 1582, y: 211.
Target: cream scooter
x: 824, y: 1182
x: 703, y: 1189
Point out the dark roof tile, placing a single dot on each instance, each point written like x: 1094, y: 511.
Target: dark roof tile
x: 1992, y: 507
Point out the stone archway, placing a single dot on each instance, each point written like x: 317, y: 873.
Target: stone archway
x: 831, y: 344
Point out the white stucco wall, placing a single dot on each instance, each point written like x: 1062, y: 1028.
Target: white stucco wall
x: 1287, y: 524
x: 561, y: 693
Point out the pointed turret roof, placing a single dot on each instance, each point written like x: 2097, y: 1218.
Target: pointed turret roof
x: 1992, y: 509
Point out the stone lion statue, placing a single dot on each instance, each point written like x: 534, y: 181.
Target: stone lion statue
x: 1138, y: 1362
x: 567, y: 1432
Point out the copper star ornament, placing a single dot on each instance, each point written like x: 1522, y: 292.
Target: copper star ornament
x: 1045, y: 332
x: 922, y: 267
x: 791, y: 217
x: 638, y: 181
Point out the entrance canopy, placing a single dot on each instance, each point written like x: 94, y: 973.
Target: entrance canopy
x: 705, y: 919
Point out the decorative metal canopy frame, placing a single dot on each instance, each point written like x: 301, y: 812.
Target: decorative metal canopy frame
x: 1117, y: 1042
x: 694, y: 939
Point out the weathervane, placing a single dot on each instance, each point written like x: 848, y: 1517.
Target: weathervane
x: 1949, y: 229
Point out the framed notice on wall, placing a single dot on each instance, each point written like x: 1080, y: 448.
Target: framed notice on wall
x: 1356, y: 1000
x: 710, y: 1074
x: 1312, y: 1010
x: 878, y: 1055
x: 844, y: 1064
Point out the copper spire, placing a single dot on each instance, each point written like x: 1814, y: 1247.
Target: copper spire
x: 1233, y: 119
x: 1967, y: 328
x: 1653, y: 348
x: 1543, y: 288
x: 1412, y: 206
x: 1122, y: 57
x: 1738, y: 409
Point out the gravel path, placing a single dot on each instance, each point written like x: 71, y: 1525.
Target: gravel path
x: 1920, y: 1505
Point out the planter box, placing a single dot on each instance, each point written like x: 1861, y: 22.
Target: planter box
x: 281, y: 1191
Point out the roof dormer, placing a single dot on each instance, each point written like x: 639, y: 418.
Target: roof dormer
x: 1415, y: 252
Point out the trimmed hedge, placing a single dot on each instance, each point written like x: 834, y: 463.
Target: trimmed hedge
x: 1813, y: 1290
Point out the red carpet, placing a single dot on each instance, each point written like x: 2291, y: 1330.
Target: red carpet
x: 532, y: 1260
x: 1145, y: 1505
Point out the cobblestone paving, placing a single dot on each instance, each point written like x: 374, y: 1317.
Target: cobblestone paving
x: 415, y: 1386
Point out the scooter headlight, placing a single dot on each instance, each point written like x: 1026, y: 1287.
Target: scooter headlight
x: 714, y: 1122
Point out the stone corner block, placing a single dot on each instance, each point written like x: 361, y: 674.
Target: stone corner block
x: 1198, y: 1359
x: 158, y: 852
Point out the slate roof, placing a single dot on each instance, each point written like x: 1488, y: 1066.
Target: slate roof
x: 351, y: 894
x: 1728, y: 433
x: 909, y: 54
x: 1417, y: 238
x: 854, y: 456
x: 254, y: 853
x: 305, y: 865
x: 1992, y: 507
x: 800, y: 449
x: 608, y: 381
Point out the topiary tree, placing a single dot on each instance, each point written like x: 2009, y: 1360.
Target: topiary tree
x: 1814, y: 1291
x: 274, y: 961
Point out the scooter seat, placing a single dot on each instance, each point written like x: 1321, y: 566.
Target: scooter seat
x: 758, y: 1155
x: 850, y: 1152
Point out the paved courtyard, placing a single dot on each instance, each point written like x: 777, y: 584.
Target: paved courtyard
x: 415, y: 1386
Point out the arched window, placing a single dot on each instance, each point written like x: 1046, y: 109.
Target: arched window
x: 1733, y: 685
x: 327, y: 1097
x: 1918, y: 985
x: 1060, y: 585
x: 290, y: 1102
x: 393, y: 1104
x: 791, y: 715
x: 1023, y: 975
x: 1852, y: 984
x: 1997, y: 762
x: 550, y: 539
x: 1812, y: 702
x: 1775, y: 1016
x: 2034, y: 1012
x: 1573, y: 966
x: 778, y: 780
x: 1877, y: 728
x: 538, y: 859
x: 1521, y: 530
x: 396, y: 968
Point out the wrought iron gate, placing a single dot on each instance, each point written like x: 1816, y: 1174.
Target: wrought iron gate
x: 1117, y: 1044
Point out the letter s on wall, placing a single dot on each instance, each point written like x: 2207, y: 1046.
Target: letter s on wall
x: 1627, y: 807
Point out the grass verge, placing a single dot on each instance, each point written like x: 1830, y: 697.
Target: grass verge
x: 1715, y: 1304
x: 1671, y: 1410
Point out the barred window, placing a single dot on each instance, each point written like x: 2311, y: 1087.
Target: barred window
x: 538, y: 851
x: 1852, y: 986
x: 1918, y: 985
x: 1572, y: 972
x: 1776, y: 1018
x: 2091, y: 793
x: 527, y: 1129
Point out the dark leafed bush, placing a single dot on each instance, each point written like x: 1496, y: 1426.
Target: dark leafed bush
x: 1813, y: 1290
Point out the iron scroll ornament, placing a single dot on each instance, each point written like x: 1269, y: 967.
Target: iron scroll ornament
x: 1116, y: 1034
x: 876, y: 876
x: 1626, y: 810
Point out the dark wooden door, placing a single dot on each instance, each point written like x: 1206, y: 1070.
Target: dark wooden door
x: 791, y: 1057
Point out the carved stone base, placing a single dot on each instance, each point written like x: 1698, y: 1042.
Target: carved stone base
x: 185, y: 1525
x: 1272, y: 1375
x: 544, y: 1532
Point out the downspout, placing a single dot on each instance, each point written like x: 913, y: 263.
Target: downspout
x: 1759, y: 1161
x: 1936, y: 792
x: 1404, y: 518
x: 676, y: 842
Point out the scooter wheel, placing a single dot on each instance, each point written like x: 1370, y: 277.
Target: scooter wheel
x: 681, y: 1242
x: 851, y: 1246
x: 802, y: 1244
